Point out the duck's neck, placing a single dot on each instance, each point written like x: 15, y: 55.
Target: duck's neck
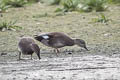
x: 71, y: 43
x: 74, y: 41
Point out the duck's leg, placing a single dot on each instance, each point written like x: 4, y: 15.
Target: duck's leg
x: 54, y: 50
x: 31, y: 56
x: 57, y: 50
x: 19, y: 55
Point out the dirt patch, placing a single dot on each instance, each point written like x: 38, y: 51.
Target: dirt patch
x: 84, y: 67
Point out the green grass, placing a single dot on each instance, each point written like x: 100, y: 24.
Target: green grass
x: 3, y: 7
x: 101, y: 18
x: 68, y: 6
x: 114, y: 1
x: 15, y: 3
x: 55, y: 2
x: 82, y: 5
x: 33, y: 0
x: 5, y: 4
x: 92, y: 5
x: 9, y: 26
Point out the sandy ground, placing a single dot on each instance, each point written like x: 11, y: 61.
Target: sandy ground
x: 65, y: 67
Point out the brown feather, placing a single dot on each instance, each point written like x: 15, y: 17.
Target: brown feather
x: 28, y: 46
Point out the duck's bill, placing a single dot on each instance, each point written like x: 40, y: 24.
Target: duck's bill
x: 86, y: 48
x: 39, y: 56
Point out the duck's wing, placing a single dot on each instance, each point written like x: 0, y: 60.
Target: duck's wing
x: 42, y: 37
x: 48, y: 36
x: 61, y: 39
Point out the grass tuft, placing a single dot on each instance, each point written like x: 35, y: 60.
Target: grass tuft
x: 3, y: 7
x: 90, y: 5
x: 68, y: 6
x: 9, y: 26
x: 101, y: 18
x: 15, y: 3
x: 82, y: 5
x: 114, y: 1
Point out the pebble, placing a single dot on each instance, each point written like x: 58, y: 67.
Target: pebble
x: 3, y: 53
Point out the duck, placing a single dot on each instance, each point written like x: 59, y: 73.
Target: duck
x: 58, y: 40
x: 27, y: 46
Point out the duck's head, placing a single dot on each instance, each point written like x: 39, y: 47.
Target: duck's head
x: 36, y: 49
x: 80, y: 43
x: 38, y: 53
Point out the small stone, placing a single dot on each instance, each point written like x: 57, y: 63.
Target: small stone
x: 84, y: 17
x: 4, y: 29
x: 3, y: 53
x: 114, y: 53
x: 107, y: 34
x: 63, y: 78
x: 14, y: 78
x: 13, y: 29
x: 69, y: 52
x: 1, y: 15
x: 38, y: 23
x: 13, y: 70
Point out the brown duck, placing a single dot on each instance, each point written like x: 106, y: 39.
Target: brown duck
x: 58, y: 40
x: 28, y: 46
